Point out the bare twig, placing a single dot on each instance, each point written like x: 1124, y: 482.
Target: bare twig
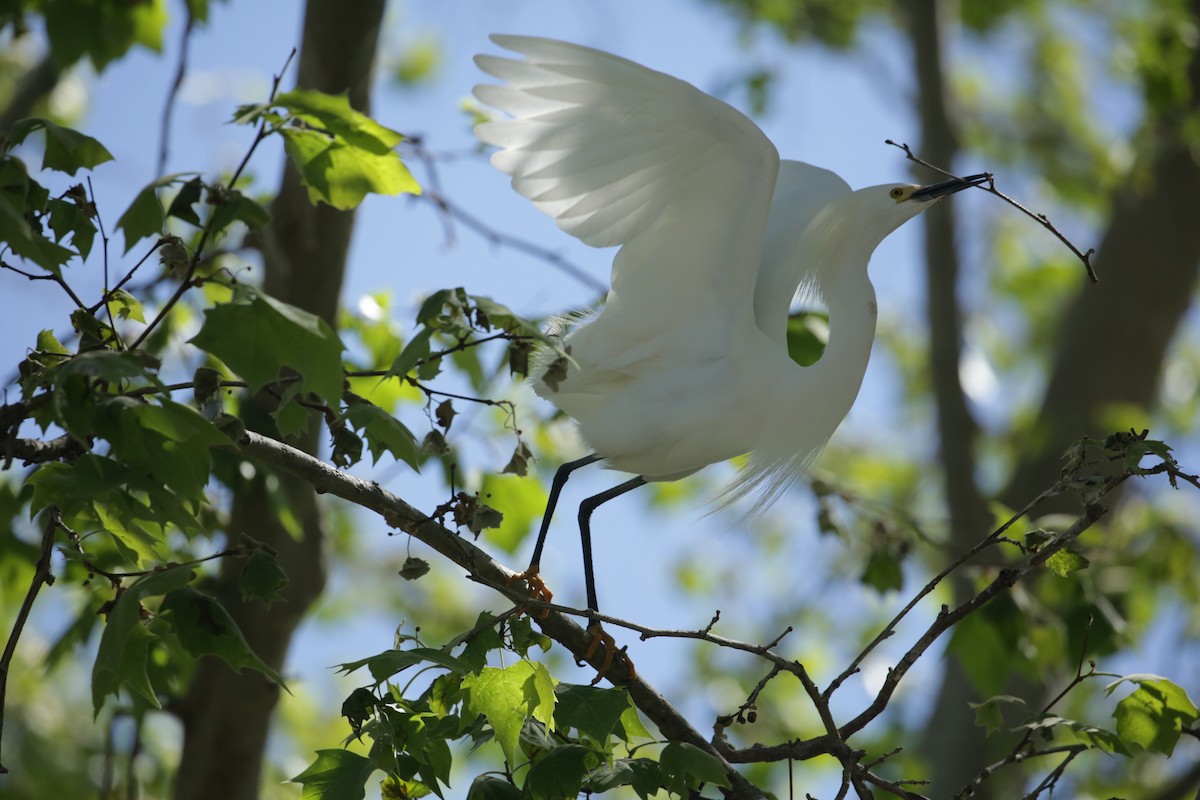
x: 50, y: 276
x: 108, y: 293
x: 1041, y: 219
x: 112, y: 323
x: 890, y: 629
x: 115, y: 578
x: 1006, y: 579
x: 41, y: 577
x: 451, y: 212
x: 164, y: 144
x: 186, y: 282
x: 1050, y: 780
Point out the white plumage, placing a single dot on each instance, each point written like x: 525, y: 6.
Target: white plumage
x: 686, y: 364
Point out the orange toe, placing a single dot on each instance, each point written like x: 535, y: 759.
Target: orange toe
x: 601, y: 639
x: 535, y: 587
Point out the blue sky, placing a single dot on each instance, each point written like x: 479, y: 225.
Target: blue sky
x: 826, y: 109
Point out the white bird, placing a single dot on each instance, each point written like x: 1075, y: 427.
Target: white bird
x: 687, y: 362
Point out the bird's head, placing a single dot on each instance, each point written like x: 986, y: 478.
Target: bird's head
x: 893, y: 204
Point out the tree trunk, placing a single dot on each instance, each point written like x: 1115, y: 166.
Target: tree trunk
x: 226, y: 716
x: 1147, y: 262
x: 1115, y: 335
x: 952, y: 743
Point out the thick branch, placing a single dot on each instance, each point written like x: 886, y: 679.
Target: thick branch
x: 37, y: 451
x: 483, y: 568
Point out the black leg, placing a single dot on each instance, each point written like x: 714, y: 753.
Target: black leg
x: 585, y: 533
x: 560, y: 479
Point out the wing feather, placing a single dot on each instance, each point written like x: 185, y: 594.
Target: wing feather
x: 619, y: 154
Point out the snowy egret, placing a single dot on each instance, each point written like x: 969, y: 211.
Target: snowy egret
x: 687, y: 363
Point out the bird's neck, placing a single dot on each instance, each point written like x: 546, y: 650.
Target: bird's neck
x: 813, y: 400
x: 850, y: 299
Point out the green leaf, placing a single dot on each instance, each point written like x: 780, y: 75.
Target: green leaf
x: 235, y: 206
x: 169, y: 442
x: 101, y: 31
x: 643, y: 775
x: 398, y: 788
x: 416, y: 350
x: 125, y: 306
x: 590, y: 710
x: 1155, y: 714
x: 124, y: 519
x: 68, y: 485
x: 489, y: 787
x: 204, y: 627
x: 340, y: 174
x: 384, y: 433
x: 498, y: 315
x: 144, y: 217
x: 258, y: 337
x: 506, y: 697
x: 68, y: 219
x: 686, y: 766
x: 262, y: 578
x: 124, y: 649
x: 1066, y: 561
x: 485, y: 640
x: 67, y: 150
x: 112, y: 366
x: 183, y: 205
x: 390, y: 662
x: 335, y: 775
x: 558, y: 775
x: 438, y: 756
x: 522, y: 637
x: 987, y: 713
x: 334, y: 113
x: 632, y: 726
x: 1099, y: 738
x: 16, y: 232
x: 48, y: 343
x: 75, y: 396
x: 540, y: 695
x: 883, y: 572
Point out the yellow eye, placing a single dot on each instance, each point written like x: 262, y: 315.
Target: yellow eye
x: 896, y: 193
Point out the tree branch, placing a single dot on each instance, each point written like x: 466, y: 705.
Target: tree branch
x: 41, y: 577
x: 483, y: 568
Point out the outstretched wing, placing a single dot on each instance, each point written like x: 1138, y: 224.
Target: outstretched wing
x: 619, y: 154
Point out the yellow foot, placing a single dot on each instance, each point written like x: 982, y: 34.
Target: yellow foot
x: 536, y: 588
x: 602, y: 639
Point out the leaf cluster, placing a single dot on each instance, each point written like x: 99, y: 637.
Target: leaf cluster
x: 555, y: 740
